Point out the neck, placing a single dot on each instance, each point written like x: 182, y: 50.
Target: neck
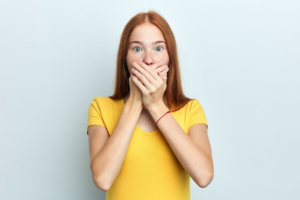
x: 164, y: 99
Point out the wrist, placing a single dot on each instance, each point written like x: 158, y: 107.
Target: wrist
x: 157, y: 111
x: 133, y: 104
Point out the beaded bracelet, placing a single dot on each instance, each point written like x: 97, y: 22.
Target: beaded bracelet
x: 164, y: 115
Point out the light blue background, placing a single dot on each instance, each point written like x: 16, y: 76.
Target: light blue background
x: 240, y: 59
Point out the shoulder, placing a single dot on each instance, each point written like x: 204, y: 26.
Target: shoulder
x: 195, y: 102
x: 195, y: 107
x: 104, y: 101
x: 192, y: 104
x: 192, y: 108
x: 100, y: 98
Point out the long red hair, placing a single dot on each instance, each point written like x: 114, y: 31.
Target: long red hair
x: 174, y: 92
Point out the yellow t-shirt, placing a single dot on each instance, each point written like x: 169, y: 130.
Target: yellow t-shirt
x: 150, y: 170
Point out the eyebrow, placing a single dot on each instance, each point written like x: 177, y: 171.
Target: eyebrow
x: 142, y: 43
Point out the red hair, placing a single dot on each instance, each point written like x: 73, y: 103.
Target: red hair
x: 174, y: 92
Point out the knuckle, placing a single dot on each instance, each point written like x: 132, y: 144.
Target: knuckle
x: 153, y: 89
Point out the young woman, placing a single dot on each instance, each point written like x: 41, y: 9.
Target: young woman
x: 148, y: 139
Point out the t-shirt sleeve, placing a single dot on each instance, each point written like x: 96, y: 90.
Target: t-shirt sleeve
x: 197, y: 114
x: 94, y: 115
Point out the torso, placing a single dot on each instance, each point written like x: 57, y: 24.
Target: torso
x: 146, y: 122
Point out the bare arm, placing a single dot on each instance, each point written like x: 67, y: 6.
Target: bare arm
x: 193, y: 150
x: 107, y: 160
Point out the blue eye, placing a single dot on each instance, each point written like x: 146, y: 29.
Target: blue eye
x: 159, y: 47
x: 137, y: 48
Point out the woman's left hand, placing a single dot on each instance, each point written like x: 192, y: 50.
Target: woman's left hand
x: 151, y: 83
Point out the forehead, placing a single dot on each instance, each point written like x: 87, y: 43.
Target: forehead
x: 146, y: 32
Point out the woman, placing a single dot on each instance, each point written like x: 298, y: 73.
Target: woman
x: 138, y: 149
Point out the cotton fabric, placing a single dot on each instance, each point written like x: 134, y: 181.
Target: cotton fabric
x: 150, y: 170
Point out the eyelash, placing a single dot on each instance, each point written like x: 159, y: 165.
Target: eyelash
x: 141, y: 48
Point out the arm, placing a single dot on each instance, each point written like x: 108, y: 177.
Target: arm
x: 193, y: 151
x: 107, y: 156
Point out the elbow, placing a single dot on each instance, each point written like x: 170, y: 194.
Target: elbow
x: 204, y: 181
x: 205, y: 176
x: 102, y: 185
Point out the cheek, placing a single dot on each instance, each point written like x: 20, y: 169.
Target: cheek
x: 164, y: 56
x: 130, y: 60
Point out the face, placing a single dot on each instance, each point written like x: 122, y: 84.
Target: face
x: 146, y: 44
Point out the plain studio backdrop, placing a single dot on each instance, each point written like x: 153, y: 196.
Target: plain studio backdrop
x: 240, y: 59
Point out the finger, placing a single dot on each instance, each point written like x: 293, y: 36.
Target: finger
x: 163, y: 76
x: 143, y: 79
x: 165, y: 72
x: 150, y: 74
x: 157, y: 64
x: 139, y: 84
x: 134, y: 74
x: 154, y: 78
x: 162, y: 69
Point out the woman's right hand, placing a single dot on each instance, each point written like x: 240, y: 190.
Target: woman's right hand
x: 135, y: 95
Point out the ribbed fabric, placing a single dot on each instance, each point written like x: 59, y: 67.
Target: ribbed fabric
x: 150, y: 170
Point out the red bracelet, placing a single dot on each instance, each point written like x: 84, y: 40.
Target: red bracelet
x: 164, y: 115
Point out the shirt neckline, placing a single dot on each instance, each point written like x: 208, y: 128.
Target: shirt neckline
x: 139, y: 128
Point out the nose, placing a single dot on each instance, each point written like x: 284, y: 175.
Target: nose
x: 149, y: 58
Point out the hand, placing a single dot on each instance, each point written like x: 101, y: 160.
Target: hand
x: 134, y: 94
x: 161, y: 71
x: 152, y: 82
